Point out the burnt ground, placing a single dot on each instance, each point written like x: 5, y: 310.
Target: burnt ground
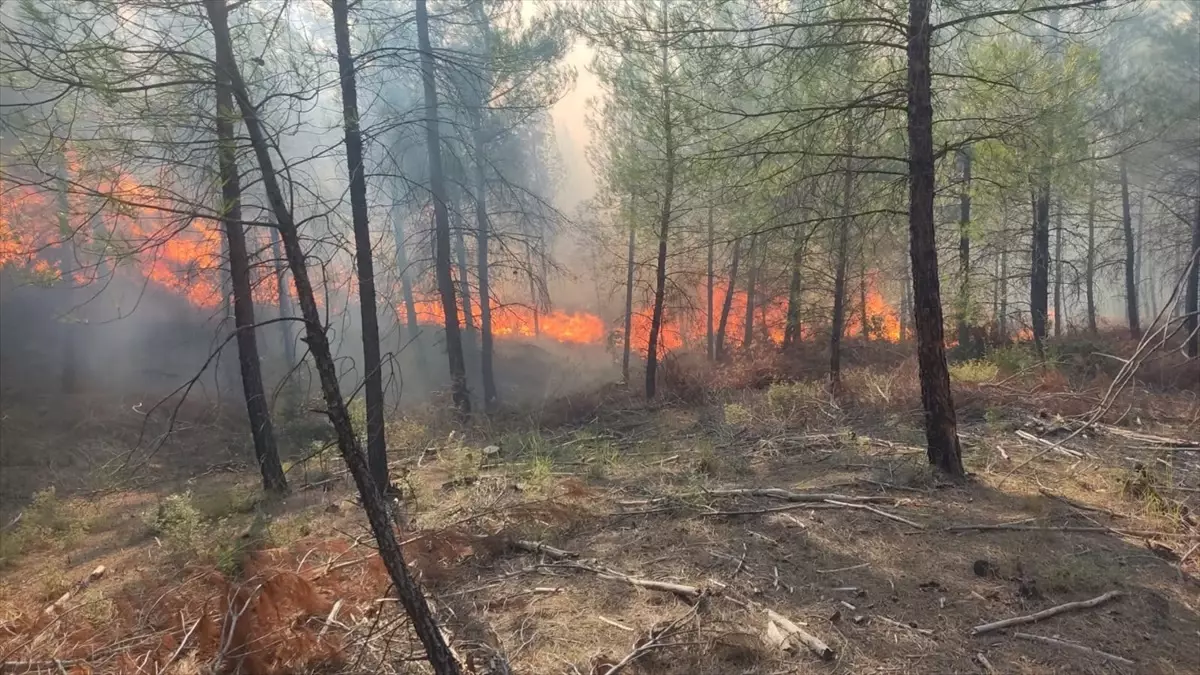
x: 213, y: 578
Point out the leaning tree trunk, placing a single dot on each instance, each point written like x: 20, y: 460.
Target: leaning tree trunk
x: 964, y: 249
x: 791, y: 331
x: 257, y: 408
x: 941, y: 430
x: 1089, y: 265
x: 628, y: 306
x: 839, y: 278
x: 437, y: 185
x: 409, y: 592
x: 727, y: 303
x: 751, y: 281
x: 372, y: 362
x: 1059, y: 319
x: 1192, y: 309
x: 1131, y: 296
x: 664, y: 222
x: 709, y: 352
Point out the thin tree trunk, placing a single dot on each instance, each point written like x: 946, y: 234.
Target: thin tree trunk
x: 941, y: 430
x: 1131, y: 297
x: 906, y: 309
x: 664, y: 221
x: 259, y: 413
x: 1089, y: 265
x: 1059, y: 318
x: 964, y: 249
x: 482, y: 241
x: 372, y: 361
x: 727, y: 303
x: 406, y: 291
x: 464, y: 277
x: 69, y: 376
x: 710, y: 350
x: 437, y: 184
x: 995, y: 329
x: 628, y: 305
x: 791, y: 332
x: 1004, y: 294
x: 1139, y: 249
x: 285, y: 300
x: 1192, y: 310
x: 751, y: 281
x: 373, y: 504
x: 839, y: 279
x: 1039, y: 277
x: 863, y: 319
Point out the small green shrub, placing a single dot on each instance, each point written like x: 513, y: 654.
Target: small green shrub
x: 1014, y: 358
x: 177, y: 521
x: 541, y: 469
x: 737, y: 415
x: 47, y: 522
x: 978, y: 370
x: 787, y: 397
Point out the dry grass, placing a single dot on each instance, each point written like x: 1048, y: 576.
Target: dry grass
x: 626, y: 486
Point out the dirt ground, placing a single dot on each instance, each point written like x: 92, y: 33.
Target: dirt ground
x: 548, y: 537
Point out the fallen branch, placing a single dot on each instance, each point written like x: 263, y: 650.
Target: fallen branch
x: 780, y: 631
x: 789, y: 496
x: 57, y: 605
x: 539, y: 547
x: 1077, y: 505
x: 1066, y: 451
x: 683, y: 590
x: 881, y: 512
x: 900, y: 624
x: 1077, y: 647
x: 772, y: 509
x: 654, y: 641
x: 845, y: 569
x: 1069, y: 528
x: 1045, y: 613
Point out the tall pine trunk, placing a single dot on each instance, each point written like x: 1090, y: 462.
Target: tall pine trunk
x: 964, y: 248
x: 710, y: 347
x: 1039, y: 276
x: 372, y: 362
x: 727, y: 303
x: 791, y: 331
x: 839, y: 278
x: 437, y: 185
x: 1059, y: 318
x: 482, y: 241
x: 1192, y: 309
x: 628, y: 306
x: 664, y: 220
x: 1089, y: 264
x: 1131, y: 296
x: 257, y: 409
x: 941, y: 429
x: 409, y: 593
x: 751, y: 281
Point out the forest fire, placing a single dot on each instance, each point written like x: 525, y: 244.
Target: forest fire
x: 519, y: 321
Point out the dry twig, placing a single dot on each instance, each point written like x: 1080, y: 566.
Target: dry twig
x: 1045, y: 613
x: 1072, y: 645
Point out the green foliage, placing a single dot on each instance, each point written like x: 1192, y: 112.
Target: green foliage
x: 47, y: 522
x: 1015, y: 358
x: 176, y: 521
x: 979, y: 370
x: 737, y: 415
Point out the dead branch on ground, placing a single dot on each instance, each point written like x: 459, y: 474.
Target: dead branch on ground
x: 1045, y: 613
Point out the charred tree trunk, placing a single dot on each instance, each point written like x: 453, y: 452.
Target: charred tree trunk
x: 1059, y: 318
x: 406, y: 291
x: 727, y: 303
x: 437, y: 184
x: 259, y: 413
x: 964, y: 249
x: 1191, y: 320
x: 628, y: 306
x: 839, y: 279
x: 791, y: 331
x: 1039, y: 276
x: 906, y: 309
x: 535, y: 300
x: 464, y: 277
x: 751, y: 281
x: 409, y: 593
x: 710, y: 351
x: 372, y: 361
x: 1131, y: 296
x: 863, y: 319
x: 1089, y: 265
x: 664, y: 221
x: 941, y: 429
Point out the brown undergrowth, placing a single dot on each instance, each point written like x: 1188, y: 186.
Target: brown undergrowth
x: 891, y: 573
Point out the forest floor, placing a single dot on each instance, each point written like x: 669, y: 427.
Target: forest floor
x: 602, y: 530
